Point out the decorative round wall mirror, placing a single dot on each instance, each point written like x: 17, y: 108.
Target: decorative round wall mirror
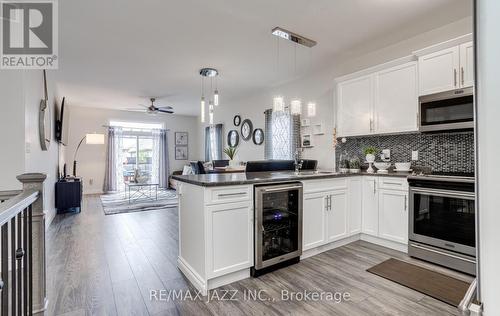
x: 44, y: 119
x: 258, y: 136
x: 237, y: 120
x: 246, y: 129
x: 233, y: 138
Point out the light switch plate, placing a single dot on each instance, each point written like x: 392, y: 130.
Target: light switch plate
x: 414, y: 155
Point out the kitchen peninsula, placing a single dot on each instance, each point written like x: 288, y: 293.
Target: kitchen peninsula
x: 217, y: 213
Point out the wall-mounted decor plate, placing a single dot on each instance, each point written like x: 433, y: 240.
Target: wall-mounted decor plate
x: 233, y: 138
x: 258, y: 136
x: 237, y: 120
x: 246, y: 129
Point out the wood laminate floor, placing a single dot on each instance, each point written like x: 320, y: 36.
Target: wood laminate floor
x: 107, y: 265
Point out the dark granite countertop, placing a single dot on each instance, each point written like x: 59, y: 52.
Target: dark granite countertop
x: 223, y: 179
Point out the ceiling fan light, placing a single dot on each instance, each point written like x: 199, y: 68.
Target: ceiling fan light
x: 202, y: 110
x: 278, y: 104
x: 216, y: 97
x: 296, y: 107
x: 311, y: 109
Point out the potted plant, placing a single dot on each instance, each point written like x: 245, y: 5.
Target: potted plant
x: 354, y: 165
x: 370, y: 153
x: 231, y: 154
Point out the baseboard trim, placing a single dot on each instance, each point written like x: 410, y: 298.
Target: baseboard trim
x: 192, y: 275
x: 228, y: 278
x: 335, y: 244
x: 385, y: 243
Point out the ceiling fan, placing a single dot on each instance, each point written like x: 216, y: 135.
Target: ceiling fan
x: 152, y: 109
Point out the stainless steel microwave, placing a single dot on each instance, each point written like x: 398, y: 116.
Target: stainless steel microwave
x: 450, y: 110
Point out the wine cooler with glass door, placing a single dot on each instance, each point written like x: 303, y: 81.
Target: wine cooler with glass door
x: 278, y: 226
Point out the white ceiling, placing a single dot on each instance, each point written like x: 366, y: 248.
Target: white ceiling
x: 116, y: 53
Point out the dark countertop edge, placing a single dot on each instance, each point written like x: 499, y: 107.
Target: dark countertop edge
x: 202, y: 183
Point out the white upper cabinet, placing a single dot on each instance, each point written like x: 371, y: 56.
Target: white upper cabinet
x: 438, y: 71
x: 396, y: 99
x: 446, y: 69
x: 467, y: 65
x: 381, y: 102
x: 355, y: 105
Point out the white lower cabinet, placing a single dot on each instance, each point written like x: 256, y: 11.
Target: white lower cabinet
x: 230, y: 238
x: 337, y: 216
x: 324, y: 218
x: 355, y: 205
x: 313, y: 220
x: 393, y: 215
x: 370, y: 206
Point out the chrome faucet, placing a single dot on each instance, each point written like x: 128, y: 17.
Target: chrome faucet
x: 297, y: 162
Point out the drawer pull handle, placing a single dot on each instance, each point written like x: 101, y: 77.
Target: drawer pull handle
x: 232, y: 194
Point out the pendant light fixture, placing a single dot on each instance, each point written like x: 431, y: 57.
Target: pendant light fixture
x: 210, y: 73
x: 311, y: 109
x: 278, y: 104
x: 216, y: 94
x: 296, y: 107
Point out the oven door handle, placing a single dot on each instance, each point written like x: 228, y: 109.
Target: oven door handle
x: 292, y: 187
x: 447, y: 193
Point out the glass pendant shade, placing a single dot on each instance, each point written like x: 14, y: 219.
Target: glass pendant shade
x: 210, y: 113
x: 202, y: 110
x: 278, y: 104
x: 311, y: 109
x: 296, y: 107
x: 216, y: 97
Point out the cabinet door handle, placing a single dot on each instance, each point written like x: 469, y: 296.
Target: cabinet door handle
x: 462, y: 74
x: 330, y: 198
x: 374, y: 187
x: 455, y: 77
x: 406, y: 200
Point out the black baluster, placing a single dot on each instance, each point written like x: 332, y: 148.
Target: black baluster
x: 5, y: 269
x: 13, y: 263
x: 25, y: 261
x: 30, y: 260
x: 19, y: 257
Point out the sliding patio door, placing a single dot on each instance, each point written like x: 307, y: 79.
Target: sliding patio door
x: 137, y: 152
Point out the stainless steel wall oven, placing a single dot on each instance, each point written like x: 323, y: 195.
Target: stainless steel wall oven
x: 278, y: 226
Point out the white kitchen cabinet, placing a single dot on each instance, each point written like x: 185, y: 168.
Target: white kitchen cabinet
x: 355, y: 205
x: 384, y: 101
x: 438, y: 71
x: 467, y: 64
x: 230, y: 238
x: 396, y: 99
x: 393, y: 215
x: 355, y: 106
x: 313, y: 220
x: 336, y: 216
x: 370, y: 218
x: 446, y: 69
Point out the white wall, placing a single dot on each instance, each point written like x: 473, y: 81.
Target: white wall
x: 319, y: 86
x: 488, y: 112
x: 37, y: 160
x: 91, y: 158
x: 11, y: 129
x: 21, y: 92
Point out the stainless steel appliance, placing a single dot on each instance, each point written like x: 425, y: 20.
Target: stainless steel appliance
x: 442, y: 220
x: 278, y: 226
x: 450, y: 110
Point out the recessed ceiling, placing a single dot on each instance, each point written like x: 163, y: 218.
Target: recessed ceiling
x: 117, y: 53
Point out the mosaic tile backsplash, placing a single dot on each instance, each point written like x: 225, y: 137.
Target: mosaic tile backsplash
x: 448, y: 152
